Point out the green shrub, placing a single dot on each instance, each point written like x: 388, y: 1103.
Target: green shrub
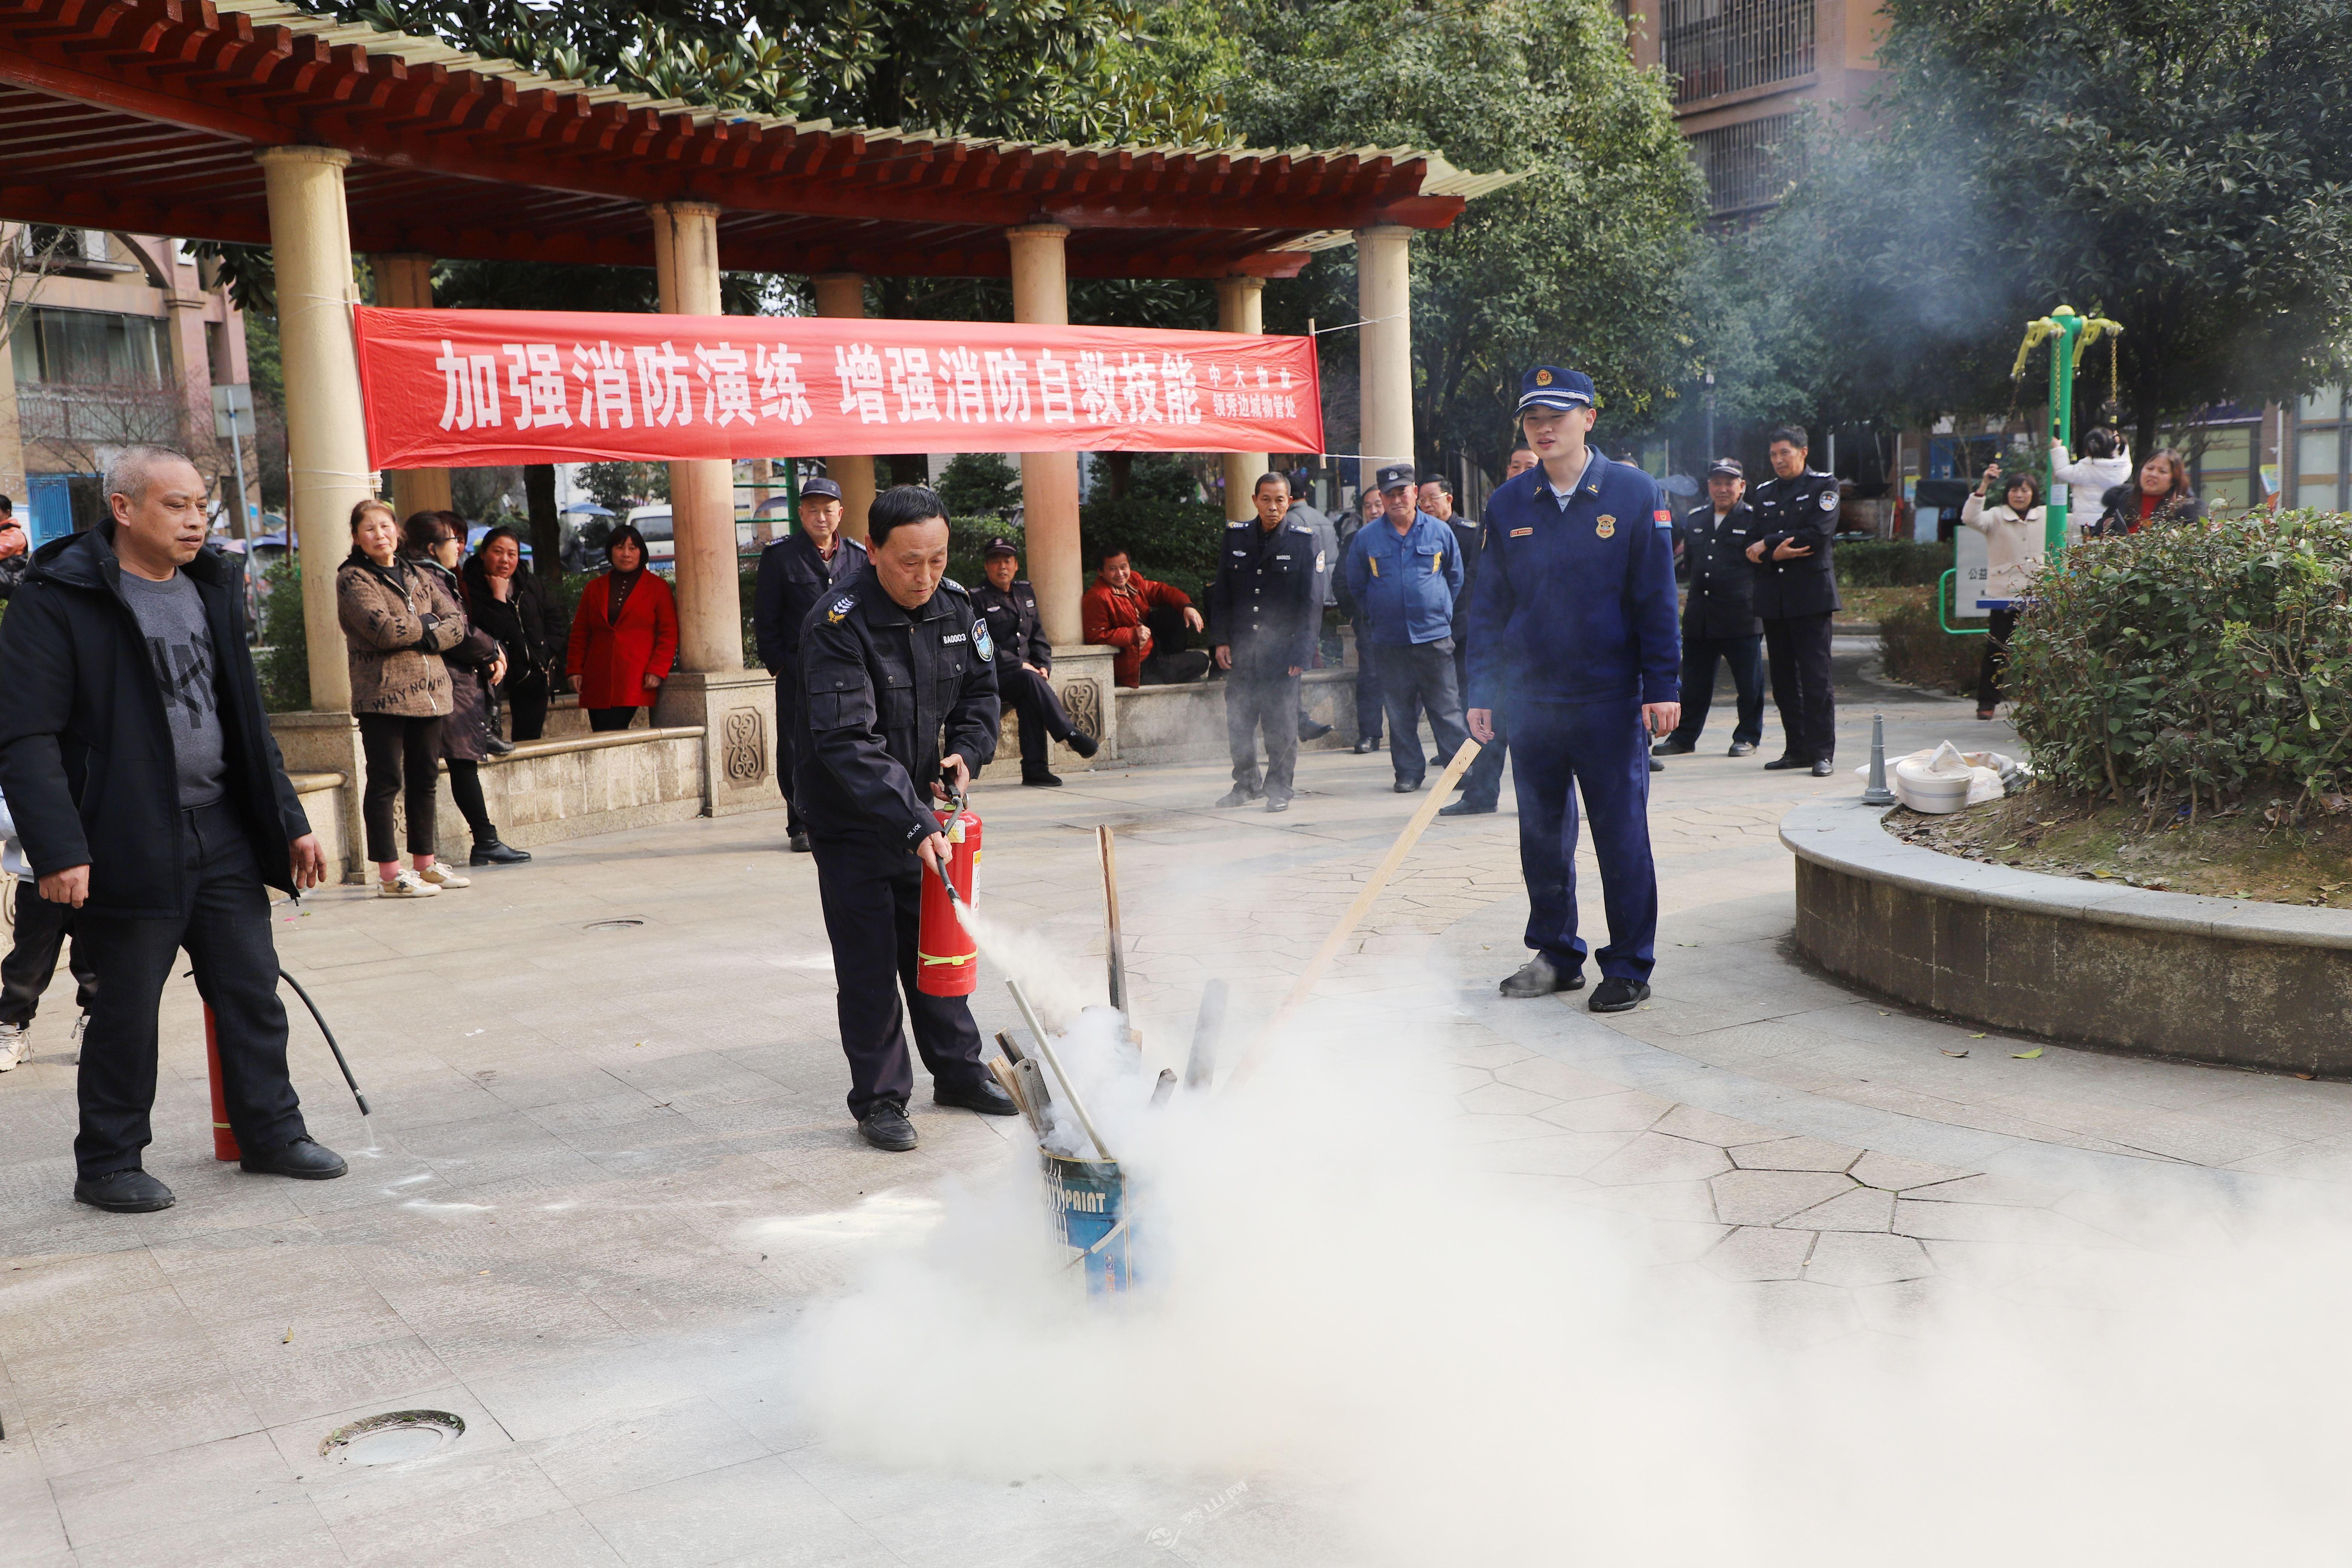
x: 2194, y: 661
x: 980, y: 487
x: 1891, y: 562
x: 284, y: 658
x: 1914, y: 648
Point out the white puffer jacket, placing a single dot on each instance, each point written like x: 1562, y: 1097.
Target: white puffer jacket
x: 2087, y: 482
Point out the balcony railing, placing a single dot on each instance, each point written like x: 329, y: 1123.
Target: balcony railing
x: 1717, y: 47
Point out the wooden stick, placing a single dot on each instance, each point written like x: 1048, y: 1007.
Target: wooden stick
x: 1315, y: 966
x: 1054, y: 1060
x: 1110, y: 915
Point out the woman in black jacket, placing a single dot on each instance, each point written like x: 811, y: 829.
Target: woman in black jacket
x: 507, y: 602
x: 434, y: 541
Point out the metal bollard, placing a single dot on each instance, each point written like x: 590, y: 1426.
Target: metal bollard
x: 1875, y: 792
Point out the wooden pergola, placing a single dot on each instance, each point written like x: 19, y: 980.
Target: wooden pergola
x: 248, y: 121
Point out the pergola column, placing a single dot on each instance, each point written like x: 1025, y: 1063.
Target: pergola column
x: 701, y: 489
x: 1241, y: 303
x: 326, y: 429
x: 404, y: 281
x: 1049, y: 480
x: 842, y: 295
x: 1384, y: 299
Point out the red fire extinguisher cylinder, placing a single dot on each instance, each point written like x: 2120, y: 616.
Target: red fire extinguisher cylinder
x: 947, y: 958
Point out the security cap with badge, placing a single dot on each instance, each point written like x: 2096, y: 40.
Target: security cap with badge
x: 1549, y: 386
x: 999, y: 546
x: 1726, y: 467
x: 1397, y: 477
x: 820, y: 489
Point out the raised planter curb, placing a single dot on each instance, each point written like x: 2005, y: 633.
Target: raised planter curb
x: 2171, y: 974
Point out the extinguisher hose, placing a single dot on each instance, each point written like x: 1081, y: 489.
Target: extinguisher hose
x: 322, y: 1019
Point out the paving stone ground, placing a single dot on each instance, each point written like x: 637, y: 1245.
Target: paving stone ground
x: 609, y: 1165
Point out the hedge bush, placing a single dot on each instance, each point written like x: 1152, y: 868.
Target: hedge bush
x: 1891, y: 562
x: 2196, y: 662
x: 1914, y: 648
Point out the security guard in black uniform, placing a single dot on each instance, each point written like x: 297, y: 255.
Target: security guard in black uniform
x: 1024, y: 660
x: 1719, y: 616
x: 1796, y: 593
x: 796, y: 573
x: 1264, y: 612
x: 893, y: 669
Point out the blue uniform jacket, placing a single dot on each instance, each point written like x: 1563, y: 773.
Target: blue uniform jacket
x: 1575, y: 603
x: 1405, y: 585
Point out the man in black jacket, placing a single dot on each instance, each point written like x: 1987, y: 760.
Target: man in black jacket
x: 1796, y: 591
x: 150, y: 797
x: 1265, y: 614
x: 1719, y: 616
x: 797, y: 574
x: 1025, y: 662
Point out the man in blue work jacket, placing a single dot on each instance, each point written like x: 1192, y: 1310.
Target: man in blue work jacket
x: 1404, y: 572
x: 1572, y: 631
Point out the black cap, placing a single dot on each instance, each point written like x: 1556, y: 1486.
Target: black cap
x: 1397, y: 477
x: 999, y: 547
x: 820, y: 489
x: 1728, y: 467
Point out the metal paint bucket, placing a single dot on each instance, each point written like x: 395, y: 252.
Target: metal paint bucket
x: 1087, y: 1202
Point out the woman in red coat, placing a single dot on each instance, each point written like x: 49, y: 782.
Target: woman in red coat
x: 625, y: 636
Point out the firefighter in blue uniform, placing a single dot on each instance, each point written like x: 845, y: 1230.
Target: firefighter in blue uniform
x: 1266, y: 610
x: 1572, y: 623
x: 898, y: 706
x: 798, y: 572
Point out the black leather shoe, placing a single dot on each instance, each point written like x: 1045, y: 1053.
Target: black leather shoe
x: 123, y: 1192
x: 497, y: 745
x: 1464, y: 809
x: 1240, y: 794
x: 1823, y: 767
x: 1742, y: 748
x: 303, y: 1160
x: 1539, y: 976
x: 1366, y: 748
x: 1042, y: 779
x: 1777, y: 764
x: 887, y: 1127
x: 800, y: 844
x: 1086, y: 745
x: 1407, y: 787
x: 1277, y: 803
x: 1670, y: 747
x: 1656, y: 766
x: 1614, y: 994
x: 1309, y: 730
x: 982, y: 1095
x: 490, y: 851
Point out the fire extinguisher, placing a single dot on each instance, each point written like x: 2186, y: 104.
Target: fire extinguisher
x: 947, y: 958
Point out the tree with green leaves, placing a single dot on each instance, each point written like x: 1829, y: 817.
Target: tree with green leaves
x: 2184, y: 169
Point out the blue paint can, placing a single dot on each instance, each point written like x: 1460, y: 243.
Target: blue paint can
x: 1087, y: 1202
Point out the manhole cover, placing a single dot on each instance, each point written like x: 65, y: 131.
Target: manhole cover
x: 612, y: 925
x: 394, y: 1439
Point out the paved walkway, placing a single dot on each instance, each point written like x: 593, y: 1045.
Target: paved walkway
x: 610, y: 1169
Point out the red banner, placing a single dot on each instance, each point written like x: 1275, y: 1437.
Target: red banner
x: 467, y: 388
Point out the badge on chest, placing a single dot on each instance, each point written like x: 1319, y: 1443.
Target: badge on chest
x: 1605, y: 526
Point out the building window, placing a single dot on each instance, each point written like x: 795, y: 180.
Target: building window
x: 2318, y: 442
x: 1743, y: 163
x: 88, y: 348
x: 1715, y: 47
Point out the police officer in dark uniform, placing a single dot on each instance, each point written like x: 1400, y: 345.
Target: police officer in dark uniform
x: 1264, y: 610
x: 1573, y: 624
x: 797, y: 573
x: 1719, y: 616
x: 896, y: 668
x: 1024, y: 661
x: 1796, y: 591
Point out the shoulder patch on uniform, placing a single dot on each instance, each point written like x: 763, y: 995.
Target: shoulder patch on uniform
x: 1664, y: 518
x: 981, y: 643
x: 1828, y: 501
x: 841, y: 607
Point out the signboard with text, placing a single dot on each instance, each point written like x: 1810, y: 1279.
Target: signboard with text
x: 469, y: 388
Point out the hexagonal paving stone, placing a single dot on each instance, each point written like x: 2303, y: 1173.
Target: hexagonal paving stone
x: 1655, y: 1157
x: 1759, y: 1252
x: 1630, y: 1112
x: 1794, y: 1154
x: 1690, y: 1121
x: 1895, y: 1174
x: 1850, y: 1258
x: 1863, y: 1209
x: 1766, y: 1197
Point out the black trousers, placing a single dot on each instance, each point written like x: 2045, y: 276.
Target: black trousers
x: 1700, y: 656
x: 1996, y: 657
x: 1369, y: 707
x: 602, y: 719
x: 1420, y: 675
x: 1800, y: 650
x: 1170, y: 662
x: 1043, y: 717
x: 788, y: 744
x: 465, y: 789
x: 1482, y: 781
x: 525, y: 697
x: 1268, y: 703
x: 227, y: 934
x: 42, y: 928
x: 872, y: 891
x: 403, y: 759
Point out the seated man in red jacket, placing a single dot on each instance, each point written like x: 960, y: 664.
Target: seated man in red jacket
x: 1134, y: 614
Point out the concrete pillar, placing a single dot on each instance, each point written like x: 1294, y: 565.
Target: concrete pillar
x: 702, y: 490
x: 1049, y: 480
x: 326, y: 428
x: 1385, y: 298
x: 1241, y: 308
x: 842, y: 295
x: 404, y: 282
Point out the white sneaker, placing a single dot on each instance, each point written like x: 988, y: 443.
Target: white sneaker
x: 406, y: 885
x: 440, y: 876
x: 15, y: 1044
x: 81, y: 1026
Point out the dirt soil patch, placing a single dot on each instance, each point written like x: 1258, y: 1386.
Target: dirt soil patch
x: 2249, y: 852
